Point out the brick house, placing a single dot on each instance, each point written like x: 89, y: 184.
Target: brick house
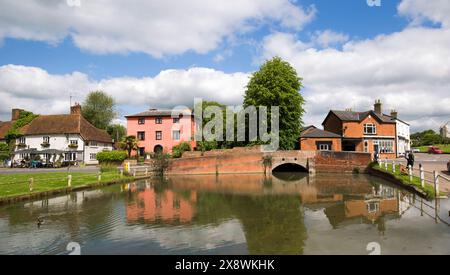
x: 370, y: 131
x: 312, y: 139
x: 161, y: 130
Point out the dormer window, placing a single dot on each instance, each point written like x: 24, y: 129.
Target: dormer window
x: 370, y: 129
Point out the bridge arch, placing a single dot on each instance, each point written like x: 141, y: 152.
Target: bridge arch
x: 289, y: 167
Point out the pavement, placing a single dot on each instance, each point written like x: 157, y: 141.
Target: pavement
x: 430, y: 164
x: 86, y: 169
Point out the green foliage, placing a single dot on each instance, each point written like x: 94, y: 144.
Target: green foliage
x: 4, y: 151
x: 160, y: 164
x: 178, y: 150
x: 277, y: 84
x: 212, y: 145
x: 427, y: 138
x: 25, y: 118
x: 116, y: 131
x: 99, y: 109
x: 111, y: 156
x: 129, y: 144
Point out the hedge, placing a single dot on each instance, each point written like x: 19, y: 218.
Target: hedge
x: 178, y: 150
x: 112, y: 156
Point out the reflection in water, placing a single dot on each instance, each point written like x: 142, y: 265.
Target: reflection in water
x: 233, y: 214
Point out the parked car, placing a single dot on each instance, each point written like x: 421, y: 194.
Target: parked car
x: 416, y: 150
x: 435, y: 150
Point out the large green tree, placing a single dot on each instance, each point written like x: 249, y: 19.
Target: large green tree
x: 116, y: 131
x: 277, y: 84
x: 99, y: 109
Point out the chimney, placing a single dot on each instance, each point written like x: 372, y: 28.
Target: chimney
x: 378, y: 106
x: 394, y: 114
x: 76, y: 109
x: 15, y: 114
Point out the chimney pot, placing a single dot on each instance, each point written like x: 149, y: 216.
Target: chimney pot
x: 15, y: 114
x: 378, y: 106
x: 76, y: 109
x: 394, y: 114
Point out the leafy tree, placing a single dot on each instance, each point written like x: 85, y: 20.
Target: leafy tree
x: 129, y: 144
x: 116, y: 131
x: 99, y: 109
x: 277, y: 84
x: 225, y: 144
x: 4, y: 151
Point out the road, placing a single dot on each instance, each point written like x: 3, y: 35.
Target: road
x: 87, y: 169
x: 432, y: 163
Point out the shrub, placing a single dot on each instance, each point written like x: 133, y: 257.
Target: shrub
x: 178, y: 150
x: 112, y: 156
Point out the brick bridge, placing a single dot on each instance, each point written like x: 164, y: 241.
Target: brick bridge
x: 253, y: 160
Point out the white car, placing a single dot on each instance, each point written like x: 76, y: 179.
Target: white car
x: 416, y: 150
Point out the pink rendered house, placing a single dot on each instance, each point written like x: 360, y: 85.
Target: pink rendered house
x: 160, y: 130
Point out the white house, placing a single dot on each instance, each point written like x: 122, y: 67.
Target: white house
x: 69, y: 138
x: 403, y: 135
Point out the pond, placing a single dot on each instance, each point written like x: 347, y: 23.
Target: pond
x: 230, y: 214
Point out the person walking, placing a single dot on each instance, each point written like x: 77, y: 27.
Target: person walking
x: 410, y: 160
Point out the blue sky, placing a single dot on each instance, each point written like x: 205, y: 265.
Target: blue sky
x: 353, y: 17
x: 161, y: 54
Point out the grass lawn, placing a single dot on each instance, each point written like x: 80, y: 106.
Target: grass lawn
x: 428, y: 189
x: 18, y: 184
x: 445, y: 148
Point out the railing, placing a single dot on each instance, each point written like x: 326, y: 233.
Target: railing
x: 138, y: 170
x: 423, y: 175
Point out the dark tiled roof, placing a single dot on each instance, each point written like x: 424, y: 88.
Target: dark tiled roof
x: 4, y: 127
x: 158, y: 113
x: 65, y: 124
x: 359, y: 116
x: 313, y: 132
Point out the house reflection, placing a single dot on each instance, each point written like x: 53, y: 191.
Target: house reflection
x: 344, y: 200
x: 149, y: 206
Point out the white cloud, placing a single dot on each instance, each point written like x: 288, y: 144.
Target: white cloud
x: 157, y: 28
x: 409, y: 70
x: 437, y: 11
x: 328, y: 38
x: 36, y: 90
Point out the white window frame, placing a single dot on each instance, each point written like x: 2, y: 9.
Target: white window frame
x: 324, y: 147
x: 46, y: 139
x: 371, y: 126
x: 70, y: 156
x: 22, y: 140
x: 74, y: 142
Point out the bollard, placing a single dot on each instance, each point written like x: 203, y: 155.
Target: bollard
x: 146, y: 171
x: 386, y: 164
x: 31, y: 184
x: 422, y: 176
x: 134, y: 173
x: 69, y: 180
x: 436, y: 183
x: 410, y: 173
x: 393, y: 167
x: 121, y: 173
x: 99, y: 177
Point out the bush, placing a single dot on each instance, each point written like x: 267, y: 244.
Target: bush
x: 178, y: 150
x: 112, y: 156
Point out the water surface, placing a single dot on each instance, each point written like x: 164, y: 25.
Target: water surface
x: 230, y: 214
